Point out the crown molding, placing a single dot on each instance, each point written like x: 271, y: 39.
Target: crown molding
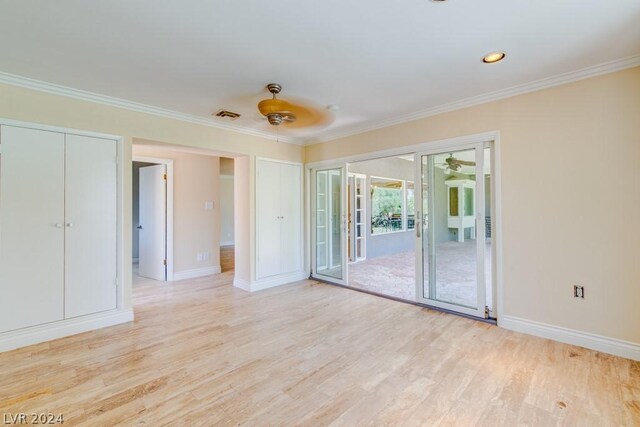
x: 83, y: 95
x: 557, y: 80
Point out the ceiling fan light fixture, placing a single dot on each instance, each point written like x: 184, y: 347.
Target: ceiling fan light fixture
x: 274, y: 119
x: 493, y: 57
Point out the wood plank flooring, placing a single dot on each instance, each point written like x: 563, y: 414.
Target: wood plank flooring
x: 201, y: 352
x: 227, y: 258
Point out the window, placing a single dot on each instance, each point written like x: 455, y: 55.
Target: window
x: 387, y: 205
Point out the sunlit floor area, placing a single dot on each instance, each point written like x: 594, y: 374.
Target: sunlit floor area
x: 394, y: 275
x: 201, y: 352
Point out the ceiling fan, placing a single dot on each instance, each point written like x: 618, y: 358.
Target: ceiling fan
x: 294, y: 115
x: 454, y: 164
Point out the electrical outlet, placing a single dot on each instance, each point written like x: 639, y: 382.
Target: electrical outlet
x: 578, y: 291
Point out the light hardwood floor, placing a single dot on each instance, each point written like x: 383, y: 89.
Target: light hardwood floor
x: 227, y: 258
x: 201, y: 352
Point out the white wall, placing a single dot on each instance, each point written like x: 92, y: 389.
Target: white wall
x: 226, y: 201
x: 195, y: 229
x: 242, y: 192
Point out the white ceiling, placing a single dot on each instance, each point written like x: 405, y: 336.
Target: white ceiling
x: 376, y: 60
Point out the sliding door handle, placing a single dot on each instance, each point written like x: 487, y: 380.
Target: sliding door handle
x: 69, y: 224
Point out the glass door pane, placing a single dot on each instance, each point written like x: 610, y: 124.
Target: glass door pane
x: 329, y: 214
x: 452, y: 238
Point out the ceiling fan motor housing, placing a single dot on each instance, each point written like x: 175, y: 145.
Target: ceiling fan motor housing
x: 274, y: 119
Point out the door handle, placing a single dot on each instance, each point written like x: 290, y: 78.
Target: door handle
x: 418, y: 224
x: 69, y: 224
x: 139, y: 227
x: 58, y: 225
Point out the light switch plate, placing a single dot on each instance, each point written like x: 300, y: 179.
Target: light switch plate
x: 208, y: 205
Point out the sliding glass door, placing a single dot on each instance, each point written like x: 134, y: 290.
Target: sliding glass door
x: 451, y: 237
x: 329, y: 231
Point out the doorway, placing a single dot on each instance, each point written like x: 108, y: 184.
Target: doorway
x: 424, y: 223
x: 152, y: 202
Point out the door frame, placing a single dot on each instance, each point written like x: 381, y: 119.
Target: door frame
x: 311, y: 202
x: 429, y: 145
x: 169, y: 207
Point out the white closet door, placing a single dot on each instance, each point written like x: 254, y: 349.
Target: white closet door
x: 268, y: 189
x: 290, y: 203
x: 31, y: 227
x: 90, y: 225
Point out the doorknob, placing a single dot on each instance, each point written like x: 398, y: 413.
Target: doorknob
x: 139, y: 227
x: 69, y: 224
x: 58, y: 225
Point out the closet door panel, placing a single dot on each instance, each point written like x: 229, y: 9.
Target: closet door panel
x: 31, y: 227
x: 290, y: 234
x: 268, y: 189
x: 90, y: 250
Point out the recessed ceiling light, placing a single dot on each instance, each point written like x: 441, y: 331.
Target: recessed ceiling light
x: 493, y: 57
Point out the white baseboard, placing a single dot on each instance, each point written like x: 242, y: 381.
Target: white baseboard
x: 268, y: 282
x: 196, y: 272
x: 63, y: 328
x: 601, y: 343
x: 242, y: 284
x: 228, y: 243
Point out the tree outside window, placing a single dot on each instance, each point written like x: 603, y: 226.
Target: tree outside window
x: 387, y: 200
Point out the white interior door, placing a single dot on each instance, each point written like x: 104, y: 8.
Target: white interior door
x: 90, y: 225
x: 31, y: 227
x: 291, y: 218
x: 269, y: 210
x: 153, y: 222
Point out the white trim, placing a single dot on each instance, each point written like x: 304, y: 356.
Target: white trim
x: 227, y: 243
x: 63, y: 328
x: 545, y: 83
x: 59, y: 129
x: 83, y: 95
x: 497, y: 282
x: 196, y: 272
x: 242, y: 284
x: 269, y: 282
x: 429, y: 147
x: 601, y: 343
x: 548, y: 82
x: 169, y: 208
x: 227, y: 177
